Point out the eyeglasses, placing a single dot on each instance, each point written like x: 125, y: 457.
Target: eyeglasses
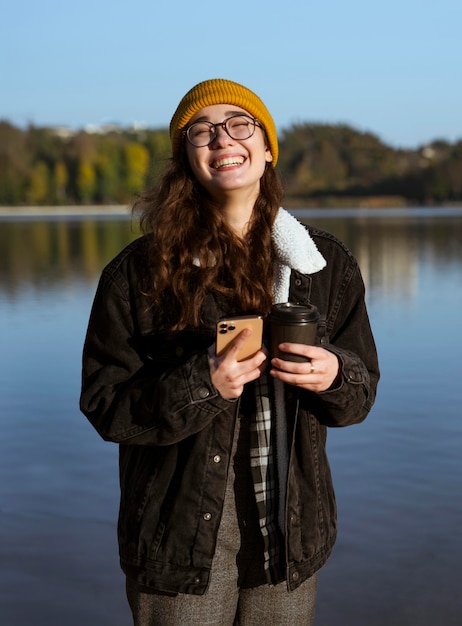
x: 239, y: 127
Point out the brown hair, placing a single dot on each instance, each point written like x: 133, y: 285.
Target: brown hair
x: 193, y: 253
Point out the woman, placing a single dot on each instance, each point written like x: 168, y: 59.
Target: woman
x: 227, y: 506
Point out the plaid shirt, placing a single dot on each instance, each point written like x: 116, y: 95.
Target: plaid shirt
x: 264, y: 475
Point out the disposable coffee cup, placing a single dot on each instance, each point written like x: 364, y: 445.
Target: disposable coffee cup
x: 293, y: 323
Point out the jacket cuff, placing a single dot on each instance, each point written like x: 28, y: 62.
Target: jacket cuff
x: 199, y: 382
x: 351, y: 370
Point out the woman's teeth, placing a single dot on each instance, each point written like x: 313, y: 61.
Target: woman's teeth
x: 228, y: 162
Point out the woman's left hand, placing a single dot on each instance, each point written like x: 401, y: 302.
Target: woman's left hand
x: 316, y: 375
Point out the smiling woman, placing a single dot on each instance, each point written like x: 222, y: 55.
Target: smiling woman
x: 228, y: 158
x: 227, y: 506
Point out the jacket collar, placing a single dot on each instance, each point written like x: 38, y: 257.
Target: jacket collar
x: 294, y: 249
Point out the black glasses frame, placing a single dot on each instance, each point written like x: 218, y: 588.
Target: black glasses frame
x: 223, y: 125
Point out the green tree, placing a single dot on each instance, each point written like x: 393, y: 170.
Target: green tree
x: 136, y: 167
x: 60, y: 180
x: 39, y: 184
x: 108, y: 169
x: 158, y: 144
x: 15, y: 163
x: 86, y: 181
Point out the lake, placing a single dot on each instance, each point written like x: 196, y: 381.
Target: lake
x: 398, y: 476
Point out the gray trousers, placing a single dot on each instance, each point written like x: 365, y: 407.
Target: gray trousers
x: 238, y: 594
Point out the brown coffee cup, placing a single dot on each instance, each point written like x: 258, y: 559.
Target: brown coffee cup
x: 292, y: 323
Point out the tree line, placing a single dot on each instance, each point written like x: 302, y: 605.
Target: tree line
x: 319, y: 164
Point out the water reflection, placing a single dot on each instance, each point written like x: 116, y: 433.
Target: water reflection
x: 390, y: 250
x: 39, y: 252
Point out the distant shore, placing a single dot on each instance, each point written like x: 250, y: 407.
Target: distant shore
x: 51, y: 211
x: 114, y: 210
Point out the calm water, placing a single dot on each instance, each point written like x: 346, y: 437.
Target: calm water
x: 398, y: 476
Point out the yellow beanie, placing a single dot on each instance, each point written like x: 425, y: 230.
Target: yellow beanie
x: 221, y: 91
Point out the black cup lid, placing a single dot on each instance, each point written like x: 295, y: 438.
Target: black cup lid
x: 290, y: 312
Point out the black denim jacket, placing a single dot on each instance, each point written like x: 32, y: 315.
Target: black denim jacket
x: 151, y: 393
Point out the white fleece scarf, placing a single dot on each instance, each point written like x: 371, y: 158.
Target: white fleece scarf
x: 295, y: 250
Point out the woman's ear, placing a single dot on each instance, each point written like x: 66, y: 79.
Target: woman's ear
x: 268, y: 155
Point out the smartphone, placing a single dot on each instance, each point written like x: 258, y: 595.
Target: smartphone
x: 229, y: 327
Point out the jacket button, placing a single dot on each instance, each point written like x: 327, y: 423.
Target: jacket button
x: 298, y: 282
x: 217, y: 458
x: 179, y: 351
x: 204, y: 392
x: 207, y: 516
x: 351, y: 375
x: 295, y: 576
x: 197, y: 580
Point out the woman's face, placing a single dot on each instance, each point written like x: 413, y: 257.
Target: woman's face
x: 228, y: 166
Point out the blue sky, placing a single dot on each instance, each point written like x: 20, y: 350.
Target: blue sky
x: 392, y: 67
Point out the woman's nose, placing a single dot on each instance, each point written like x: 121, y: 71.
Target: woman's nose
x: 221, y: 136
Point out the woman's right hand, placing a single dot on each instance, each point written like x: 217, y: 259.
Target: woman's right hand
x: 229, y: 375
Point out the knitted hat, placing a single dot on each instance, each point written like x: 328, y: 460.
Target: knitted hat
x: 221, y: 91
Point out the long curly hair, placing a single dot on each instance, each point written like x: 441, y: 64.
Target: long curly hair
x: 193, y: 253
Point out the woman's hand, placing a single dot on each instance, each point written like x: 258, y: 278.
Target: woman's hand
x: 229, y: 375
x: 316, y: 375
